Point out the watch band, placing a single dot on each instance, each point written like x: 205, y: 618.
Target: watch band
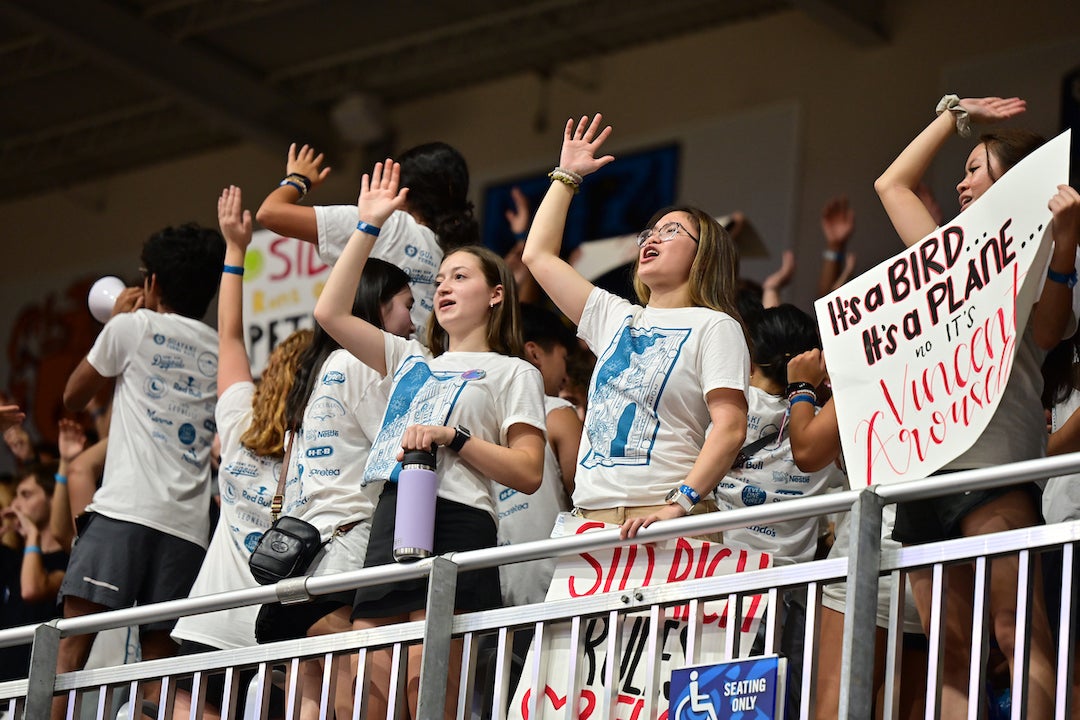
x: 461, y: 436
x: 683, y: 501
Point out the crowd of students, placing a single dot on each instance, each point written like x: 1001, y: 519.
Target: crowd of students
x: 702, y: 399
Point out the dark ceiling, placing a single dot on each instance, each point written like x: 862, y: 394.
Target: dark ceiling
x: 94, y: 87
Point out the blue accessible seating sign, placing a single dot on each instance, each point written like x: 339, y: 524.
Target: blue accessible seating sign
x: 748, y: 689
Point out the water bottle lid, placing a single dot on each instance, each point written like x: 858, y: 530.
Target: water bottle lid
x: 419, y: 457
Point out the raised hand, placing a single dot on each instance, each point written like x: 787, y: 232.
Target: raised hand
x: 1065, y: 205
x: 379, y: 193
x: 10, y: 416
x: 581, y: 144
x: 307, y: 163
x: 235, y: 222
x: 518, y: 216
x: 71, y: 440
x: 807, y: 367
x: 837, y: 222
x: 129, y: 300
x: 990, y: 110
x: 780, y: 279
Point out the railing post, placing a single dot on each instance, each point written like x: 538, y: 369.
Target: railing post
x: 41, y: 680
x: 435, y: 661
x: 860, y: 613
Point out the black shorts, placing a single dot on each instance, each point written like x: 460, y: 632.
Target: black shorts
x: 458, y: 527
x: 119, y: 564
x: 933, y: 519
x: 215, y: 684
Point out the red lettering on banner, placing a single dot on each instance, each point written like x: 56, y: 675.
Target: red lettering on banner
x: 584, y: 713
x: 951, y: 393
x: 297, y: 258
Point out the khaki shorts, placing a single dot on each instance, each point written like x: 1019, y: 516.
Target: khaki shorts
x: 619, y: 515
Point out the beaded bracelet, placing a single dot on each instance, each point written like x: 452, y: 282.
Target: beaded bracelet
x: 795, y: 387
x: 560, y: 175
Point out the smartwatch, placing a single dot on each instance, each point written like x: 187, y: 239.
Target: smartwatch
x: 461, y: 436
x: 684, y: 496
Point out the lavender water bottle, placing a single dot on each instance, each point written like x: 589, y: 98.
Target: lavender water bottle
x: 414, y: 524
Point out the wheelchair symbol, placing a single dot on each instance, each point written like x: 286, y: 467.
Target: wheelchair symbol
x: 701, y: 707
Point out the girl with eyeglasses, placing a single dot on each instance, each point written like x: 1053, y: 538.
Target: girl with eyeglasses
x: 667, y: 402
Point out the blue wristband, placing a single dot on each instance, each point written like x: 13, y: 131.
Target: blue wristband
x: 368, y: 228
x: 521, y: 235
x: 1062, y: 278
x: 690, y: 493
x: 801, y: 398
x: 296, y: 185
x: 60, y: 479
x: 29, y: 549
x: 233, y: 269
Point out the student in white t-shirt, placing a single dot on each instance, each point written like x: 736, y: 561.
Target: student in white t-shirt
x: 251, y: 425
x: 437, y: 216
x: 666, y: 371
x: 155, y: 495
x: 526, y: 518
x: 468, y: 394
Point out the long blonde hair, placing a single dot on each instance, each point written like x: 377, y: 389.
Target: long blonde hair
x: 266, y: 433
x: 715, y: 270
x: 504, y: 320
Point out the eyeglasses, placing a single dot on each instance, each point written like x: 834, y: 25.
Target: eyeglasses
x: 665, y: 233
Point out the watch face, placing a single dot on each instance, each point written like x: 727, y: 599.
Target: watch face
x: 672, y: 495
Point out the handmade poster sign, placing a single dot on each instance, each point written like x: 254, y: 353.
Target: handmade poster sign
x: 920, y: 348
x: 625, y: 569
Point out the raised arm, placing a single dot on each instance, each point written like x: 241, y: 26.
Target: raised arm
x: 563, y: 284
x: 71, y: 441
x: 85, y: 381
x: 235, y: 223
x: 10, y: 416
x: 1051, y: 315
x: 379, y: 198
x: 837, y: 225
x: 897, y: 187
x: 815, y: 438
x: 279, y: 212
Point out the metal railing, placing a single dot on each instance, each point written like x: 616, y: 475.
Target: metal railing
x: 861, y: 571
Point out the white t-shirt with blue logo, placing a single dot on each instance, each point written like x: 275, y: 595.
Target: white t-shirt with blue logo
x: 246, y: 482
x: 402, y: 241
x: 769, y: 476
x: 325, y: 484
x: 524, y: 518
x: 483, y: 391
x: 647, y: 415
x: 157, y: 469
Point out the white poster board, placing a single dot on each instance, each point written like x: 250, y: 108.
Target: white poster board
x: 920, y: 348
x: 621, y: 569
x: 282, y: 280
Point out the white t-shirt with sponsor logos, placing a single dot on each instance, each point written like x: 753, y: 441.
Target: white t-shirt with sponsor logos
x: 325, y: 484
x: 157, y: 469
x: 523, y: 518
x: 483, y: 391
x: 647, y: 416
x: 771, y: 475
x: 246, y: 482
x: 402, y: 241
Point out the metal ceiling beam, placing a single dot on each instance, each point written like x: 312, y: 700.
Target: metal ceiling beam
x: 858, y: 21
x: 229, y: 99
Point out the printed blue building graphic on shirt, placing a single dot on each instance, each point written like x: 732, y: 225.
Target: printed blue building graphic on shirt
x: 622, y: 421
x: 418, y: 397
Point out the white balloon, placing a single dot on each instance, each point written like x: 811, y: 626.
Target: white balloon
x: 103, y: 295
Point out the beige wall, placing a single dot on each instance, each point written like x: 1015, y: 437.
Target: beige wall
x: 856, y: 106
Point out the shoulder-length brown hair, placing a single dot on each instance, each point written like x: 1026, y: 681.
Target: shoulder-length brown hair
x: 715, y: 271
x: 266, y: 433
x: 504, y: 320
